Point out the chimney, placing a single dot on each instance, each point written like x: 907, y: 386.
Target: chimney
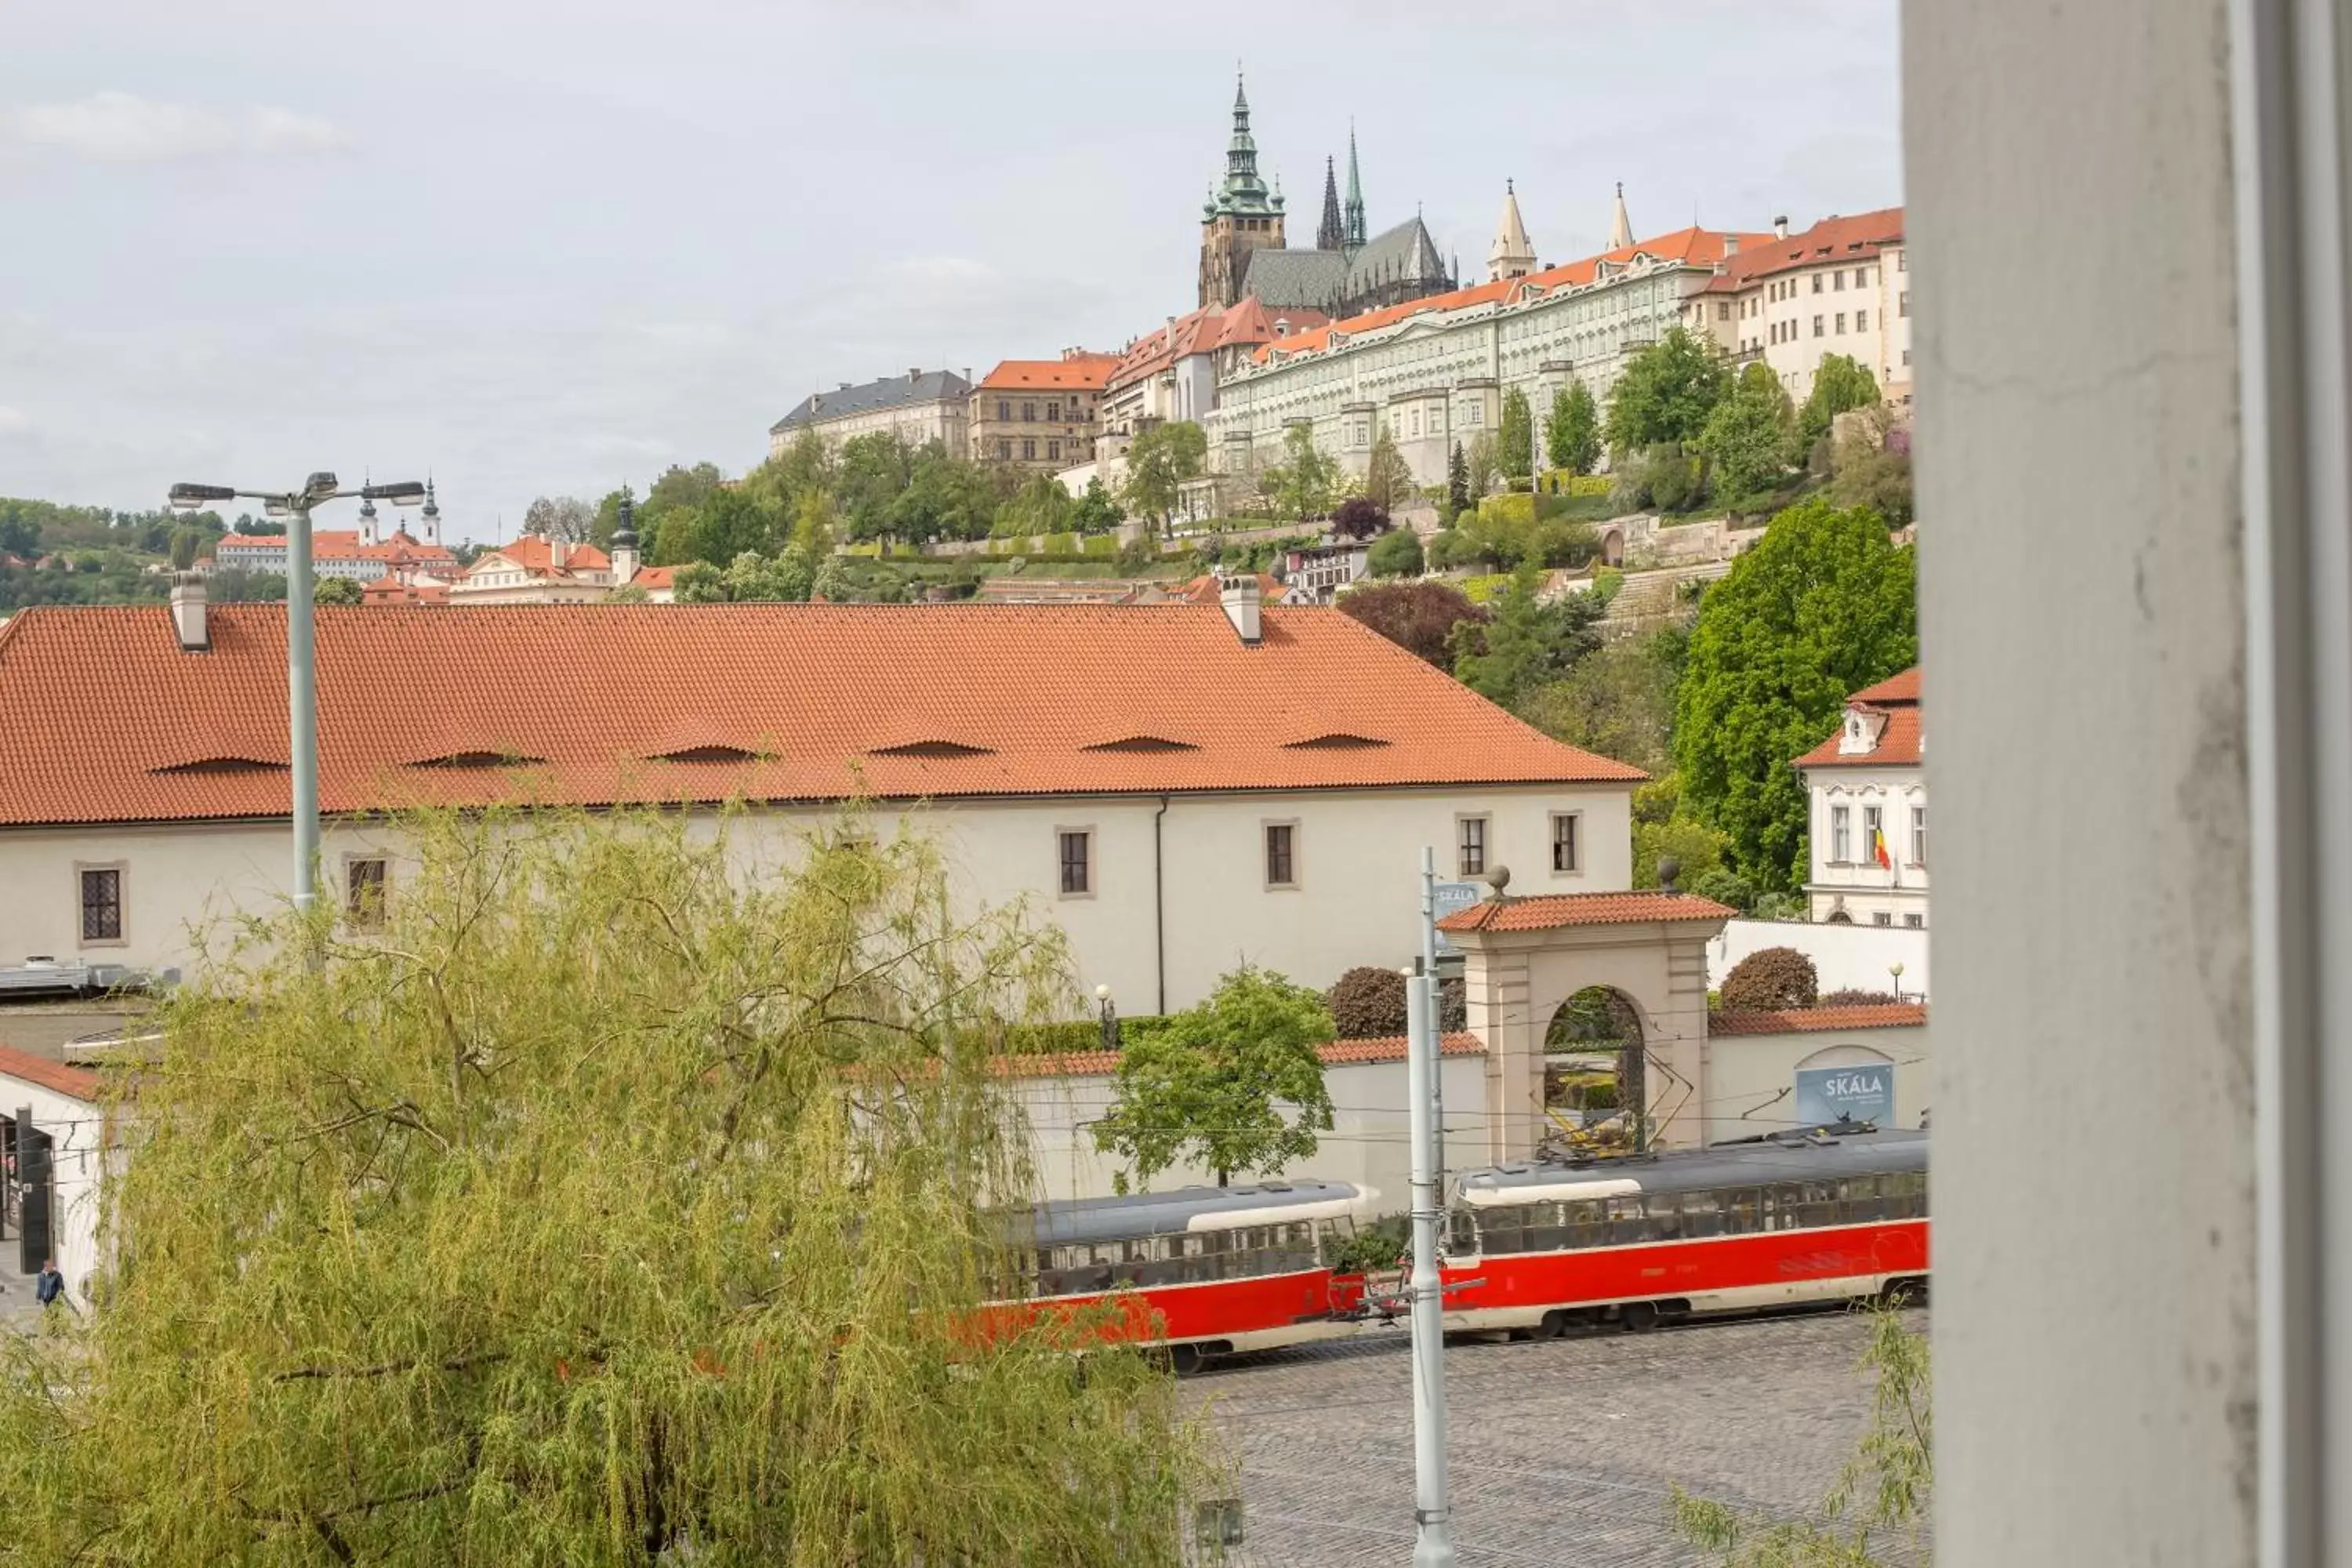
x: 844, y: 387
x: 1781, y: 227
x: 188, y: 612
x: 558, y: 548
x: 1730, y: 245
x: 914, y: 373
x: 1239, y: 595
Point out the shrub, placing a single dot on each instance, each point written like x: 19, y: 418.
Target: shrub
x: 1375, y: 1247
x: 1770, y: 978
x: 1397, y: 554
x: 1450, y: 548
x: 1479, y: 590
x: 1519, y: 507
x: 1453, y: 1005
x: 1359, y: 517
x: 1588, y: 484
x: 1855, y: 996
x: 1724, y: 886
x: 1606, y: 582
x: 1102, y: 544
x: 1138, y: 555
x: 1367, y: 1004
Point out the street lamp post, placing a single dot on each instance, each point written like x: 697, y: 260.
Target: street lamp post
x: 301, y: 671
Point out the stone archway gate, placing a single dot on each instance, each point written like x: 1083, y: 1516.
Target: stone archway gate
x: 1523, y: 957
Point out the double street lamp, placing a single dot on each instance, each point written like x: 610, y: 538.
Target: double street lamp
x: 301, y: 675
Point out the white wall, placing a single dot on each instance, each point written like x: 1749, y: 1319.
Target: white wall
x: 1845, y: 957
x: 77, y: 1148
x: 1751, y: 1080
x: 1368, y: 1143
x: 1358, y: 854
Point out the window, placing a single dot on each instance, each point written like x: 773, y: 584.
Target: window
x: 1882, y: 918
x: 1872, y: 833
x: 1029, y: 447
x: 1841, y: 323
x: 1053, y: 413
x: 363, y: 893
x: 1902, y: 262
x: 1004, y: 408
x: 1477, y: 413
x: 1817, y: 282
x: 1028, y: 414
x: 1841, y: 280
x: 1053, y: 450
x: 1862, y: 321
x: 1902, y: 303
x: 1470, y: 838
x: 1915, y: 921
x: 1077, y: 857
x: 1723, y: 310
x: 1906, y: 361
x: 1282, y: 854
x: 101, y: 903
x: 1817, y: 325
x: 1841, y: 835
x: 1004, y: 450
x: 1919, y: 836
x: 1564, y: 841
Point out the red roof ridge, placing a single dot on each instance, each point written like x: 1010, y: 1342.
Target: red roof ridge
x: 1550, y: 912
x: 1804, y: 1020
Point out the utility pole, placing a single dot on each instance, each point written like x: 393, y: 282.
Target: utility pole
x: 1433, y: 1546
x: 1436, y: 1034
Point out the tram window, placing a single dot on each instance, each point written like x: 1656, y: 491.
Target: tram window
x: 1665, y: 1216
x: 1743, y: 1211
x: 1503, y: 1230
x: 1863, y: 1202
x: 1781, y: 1203
x: 1625, y: 1223
x: 1465, y: 1234
x: 1821, y: 1204
x: 1547, y: 1227
x: 1587, y: 1225
x: 1702, y: 1215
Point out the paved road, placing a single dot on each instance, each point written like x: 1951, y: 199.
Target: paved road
x: 1563, y: 1449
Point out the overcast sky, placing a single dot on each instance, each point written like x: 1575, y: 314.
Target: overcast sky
x: 545, y: 249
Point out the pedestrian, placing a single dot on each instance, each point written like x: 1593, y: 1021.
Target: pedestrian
x: 49, y: 1284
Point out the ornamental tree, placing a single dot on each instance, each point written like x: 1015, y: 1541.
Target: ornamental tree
x: 1825, y: 603
x: 612, y: 1206
x: 1235, y: 1083
x: 1358, y: 517
x: 1457, y: 483
x: 1419, y: 617
x: 1518, y: 454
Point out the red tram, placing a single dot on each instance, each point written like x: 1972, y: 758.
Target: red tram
x: 1209, y: 1270
x: 1823, y: 1215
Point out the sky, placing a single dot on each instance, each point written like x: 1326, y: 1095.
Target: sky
x: 533, y: 249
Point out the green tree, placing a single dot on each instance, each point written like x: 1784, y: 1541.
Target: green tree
x: 1419, y: 617
x: 1517, y: 439
x: 1877, y: 1512
x: 725, y: 524
x: 1527, y: 642
x: 1211, y: 1084
x: 1302, y: 484
x: 605, y: 1208
x: 1457, y: 483
x: 1396, y: 554
x: 1158, y: 463
x: 1867, y: 470
x: 1749, y: 436
x: 1388, y: 480
x: 188, y: 544
x: 560, y: 517
x: 1666, y: 392
x: 1572, y: 433
x: 944, y: 498
x: 1098, y: 513
x: 1484, y: 467
x: 1840, y: 383
x: 1823, y: 605
x: 1616, y: 702
x: 870, y: 473
x: 335, y: 590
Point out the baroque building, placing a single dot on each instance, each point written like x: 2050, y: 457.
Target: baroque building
x: 1246, y: 251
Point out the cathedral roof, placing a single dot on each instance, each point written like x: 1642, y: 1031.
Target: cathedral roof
x: 1286, y: 279
x: 1406, y: 252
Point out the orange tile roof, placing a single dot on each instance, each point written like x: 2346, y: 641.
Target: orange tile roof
x: 810, y: 692
x: 1828, y: 242
x: 1897, y: 697
x: 1209, y: 590
x: 650, y: 577
x: 1080, y: 372
x: 531, y: 553
x: 1207, y: 329
x: 79, y: 1083
x: 1335, y: 1053
x: 1553, y: 911
x: 1803, y: 1020
x: 392, y: 591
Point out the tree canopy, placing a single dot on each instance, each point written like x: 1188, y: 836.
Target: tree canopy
x: 1572, y: 432
x: 1457, y: 481
x: 1159, y: 462
x: 1751, y: 437
x: 1517, y: 441
x: 1823, y: 605
x: 1419, y: 617
x: 610, y: 1206
x: 1526, y: 642
x: 1211, y: 1084
x: 1840, y: 384
x: 1388, y: 480
x: 1666, y: 392
x: 1301, y: 484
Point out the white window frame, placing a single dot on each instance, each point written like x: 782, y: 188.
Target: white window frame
x: 1265, y: 855
x: 1485, y: 822
x: 1094, y: 865
x: 121, y: 936
x: 1840, y: 834
x: 1919, y: 836
x: 1575, y: 820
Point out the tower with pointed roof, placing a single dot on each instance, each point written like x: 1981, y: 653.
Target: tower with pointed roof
x: 1355, y: 210
x: 1240, y: 215
x: 1330, y: 234
x: 1512, y: 255
x: 371, y: 531
x: 1621, y: 227
x: 625, y: 542
x: 430, y: 521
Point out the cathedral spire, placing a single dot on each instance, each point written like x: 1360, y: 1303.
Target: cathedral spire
x: 1242, y: 191
x: 1330, y: 235
x: 1621, y: 227
x: 1355, y: 235
x: 1512, y: 255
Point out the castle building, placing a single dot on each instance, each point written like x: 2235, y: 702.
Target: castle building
x: 1244, y: 250
x: 920, y: 408
x: 1041, y: 415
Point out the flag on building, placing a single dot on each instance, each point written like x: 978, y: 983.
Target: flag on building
x: 1878, y: 849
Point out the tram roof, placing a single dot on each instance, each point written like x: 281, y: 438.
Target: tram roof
x: 1190, y: 1208
x: 1815, y: 1155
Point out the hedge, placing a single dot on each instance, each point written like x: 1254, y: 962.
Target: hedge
x: 1053, y: 1039
x: 1479, y: 590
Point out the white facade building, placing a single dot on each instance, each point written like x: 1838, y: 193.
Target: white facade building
x: 1842, y: 287
x: 1869, y: 813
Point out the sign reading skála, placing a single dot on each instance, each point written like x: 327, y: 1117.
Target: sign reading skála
x: 1452, y: 895
x: 1864, y: 1093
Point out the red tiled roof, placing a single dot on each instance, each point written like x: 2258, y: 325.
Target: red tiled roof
x: 1207, y: 329
x: 1810, y: 1020
x: 392, y: 591
x: 1897, y: 701
x: 80, y: 1083
x: 1553, y: 911
x: 1828, y: 242
x: 324, y: 541
x: 1080, y: 372
x: 1689, y: 246
x: 1335, y: 1053
x: 1209, y: 589
x: 651, y: 577
x: 531, y: 553
x: 812, y: 691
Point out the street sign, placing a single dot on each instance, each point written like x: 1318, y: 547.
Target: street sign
x: 1452, y: 895
x: 1865, y: 1093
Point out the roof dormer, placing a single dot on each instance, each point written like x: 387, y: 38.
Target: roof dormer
x: 1863, y: 725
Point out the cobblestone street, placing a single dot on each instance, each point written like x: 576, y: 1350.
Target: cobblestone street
x: 1562, y: 1451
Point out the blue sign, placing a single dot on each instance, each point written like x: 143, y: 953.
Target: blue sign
x: 1452, y: 895
x: 1865, y: 1093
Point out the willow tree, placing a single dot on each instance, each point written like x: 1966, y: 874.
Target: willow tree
x: 611, y: 1204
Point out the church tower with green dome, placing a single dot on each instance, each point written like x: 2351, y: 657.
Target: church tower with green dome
x: 1240, y: 215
